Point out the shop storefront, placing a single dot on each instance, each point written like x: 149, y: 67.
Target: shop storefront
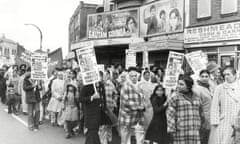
x: 220, y: 42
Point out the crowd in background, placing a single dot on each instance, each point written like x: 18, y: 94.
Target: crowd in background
x: 133, y: 103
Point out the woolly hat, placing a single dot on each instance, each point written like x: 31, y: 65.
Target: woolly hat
x: 211, y: 67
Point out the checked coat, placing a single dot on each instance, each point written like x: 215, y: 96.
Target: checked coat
x: 130, y: 101
x: 183, y: 118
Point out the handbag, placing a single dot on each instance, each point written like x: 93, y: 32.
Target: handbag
x: 108, y: 117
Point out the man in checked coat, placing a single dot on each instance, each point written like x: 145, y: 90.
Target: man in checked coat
x: 131, y: 107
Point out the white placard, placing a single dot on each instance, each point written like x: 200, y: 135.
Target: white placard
x: 39, y: 66
x: 197, y: 60
x: 174, y: 64
x: 88, y: 65
x: 130, y: 58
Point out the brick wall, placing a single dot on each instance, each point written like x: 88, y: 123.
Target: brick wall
x: 216, y: 16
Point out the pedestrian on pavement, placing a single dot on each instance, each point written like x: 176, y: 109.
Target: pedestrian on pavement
x: 21, y: 90
x: 157, y: 131
x: 205, y: 91
x: 55, y: 104
x: 131, y: 107
x: 11, y: 99
x: 33, y: 99
x: 3, y: 87
x: 183, y: 113
x: 92, y: 100
x: 225, y: 107
x: 70, y: 109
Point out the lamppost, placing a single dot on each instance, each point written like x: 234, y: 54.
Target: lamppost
x: 40, y: 33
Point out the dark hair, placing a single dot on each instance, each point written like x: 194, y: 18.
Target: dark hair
x: 74, y: 92
x: 131, y: 18
x: 156, y: 88
x: 177, y: 13
x: 132, y: 69
x: 188, y: 81
x: 11, y: 85
x: 231, y: 69
x: 145, y: 72
x: 152, y: 7
x: 204, y: 71
x: 101, y: 73
x: 161, y: 13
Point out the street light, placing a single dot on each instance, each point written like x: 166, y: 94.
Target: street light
x: 40, y: 33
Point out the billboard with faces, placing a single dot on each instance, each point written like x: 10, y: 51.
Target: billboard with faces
x: 162, y: 17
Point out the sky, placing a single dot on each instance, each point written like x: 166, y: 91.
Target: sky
x: 51, y: 16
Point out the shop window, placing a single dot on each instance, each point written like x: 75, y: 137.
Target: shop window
x: 6, y: 52
x: 213, y: 57
x: 227, y: 60
x: 229, y: 6
x: 203, y: 8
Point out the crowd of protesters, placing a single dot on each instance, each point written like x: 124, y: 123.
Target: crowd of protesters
x: 203, y: 109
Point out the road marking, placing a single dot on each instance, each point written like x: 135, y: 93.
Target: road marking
x: 17, y: 118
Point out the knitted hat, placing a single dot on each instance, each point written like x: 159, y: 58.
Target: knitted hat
x: 211, y: 67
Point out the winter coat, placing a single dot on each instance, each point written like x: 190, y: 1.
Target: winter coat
x: 32, y: 93
x: 157, y: 131
x: 224, y: 110
x: 183, y: 118
x: 92, y: 109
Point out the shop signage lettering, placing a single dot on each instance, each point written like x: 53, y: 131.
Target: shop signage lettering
x: 227, y: 31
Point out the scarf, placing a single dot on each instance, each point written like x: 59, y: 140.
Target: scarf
x: 203, y: 84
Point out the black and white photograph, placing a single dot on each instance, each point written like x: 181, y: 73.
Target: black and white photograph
x: 120, y: 72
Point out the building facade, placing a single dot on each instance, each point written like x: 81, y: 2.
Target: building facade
x: 214, y: 27
x: 78, y: 23
x: 150, y: 28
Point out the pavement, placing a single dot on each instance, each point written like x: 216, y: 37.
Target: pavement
x: 13, y: 130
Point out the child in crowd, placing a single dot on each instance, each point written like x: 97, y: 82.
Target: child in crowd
x: 157, y: 131
x: 11, y: 99
x: 70, y: 109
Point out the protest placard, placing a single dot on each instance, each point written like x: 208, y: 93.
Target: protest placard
x: 39, y: 65
x: 88, y: 64
x: 197, y: 60
x: 174, y: 64
x: 130, y: 58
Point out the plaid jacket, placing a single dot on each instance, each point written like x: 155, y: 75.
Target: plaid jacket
x: 130, y: 101
x: 183, y: 118
x: 111, y: 94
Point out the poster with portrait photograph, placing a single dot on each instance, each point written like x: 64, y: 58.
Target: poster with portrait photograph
x: 161, y: 17
x: 173, y: 70
x: 39, y: 66
x: 122, y: 23
x: 88, y: 64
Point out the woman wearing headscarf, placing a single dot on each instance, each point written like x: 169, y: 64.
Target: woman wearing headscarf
x: 224, y: 109
x: 146, y: 87
x: 55, y: 104
x: 183, y: 113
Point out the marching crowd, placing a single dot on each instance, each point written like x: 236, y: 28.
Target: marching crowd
x: 202, y: 110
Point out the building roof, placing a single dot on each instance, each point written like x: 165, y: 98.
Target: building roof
x: 4, y: 39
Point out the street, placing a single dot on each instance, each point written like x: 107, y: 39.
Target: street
x: 14, y: 131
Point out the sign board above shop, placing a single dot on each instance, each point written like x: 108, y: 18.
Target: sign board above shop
x: 211, y: 33
x: 123, y: 23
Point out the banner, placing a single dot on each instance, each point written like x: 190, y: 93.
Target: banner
x: 161, y: 17
x: 174, y: 64
x: 197, y: 60
x: 88, y: 64
x: 122, y: 23
x: 23, y: 56
x: 39, y: 66
x: 130, y: 58
x: 55, y: 59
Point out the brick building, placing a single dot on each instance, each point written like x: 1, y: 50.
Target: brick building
x: 214, y: 27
